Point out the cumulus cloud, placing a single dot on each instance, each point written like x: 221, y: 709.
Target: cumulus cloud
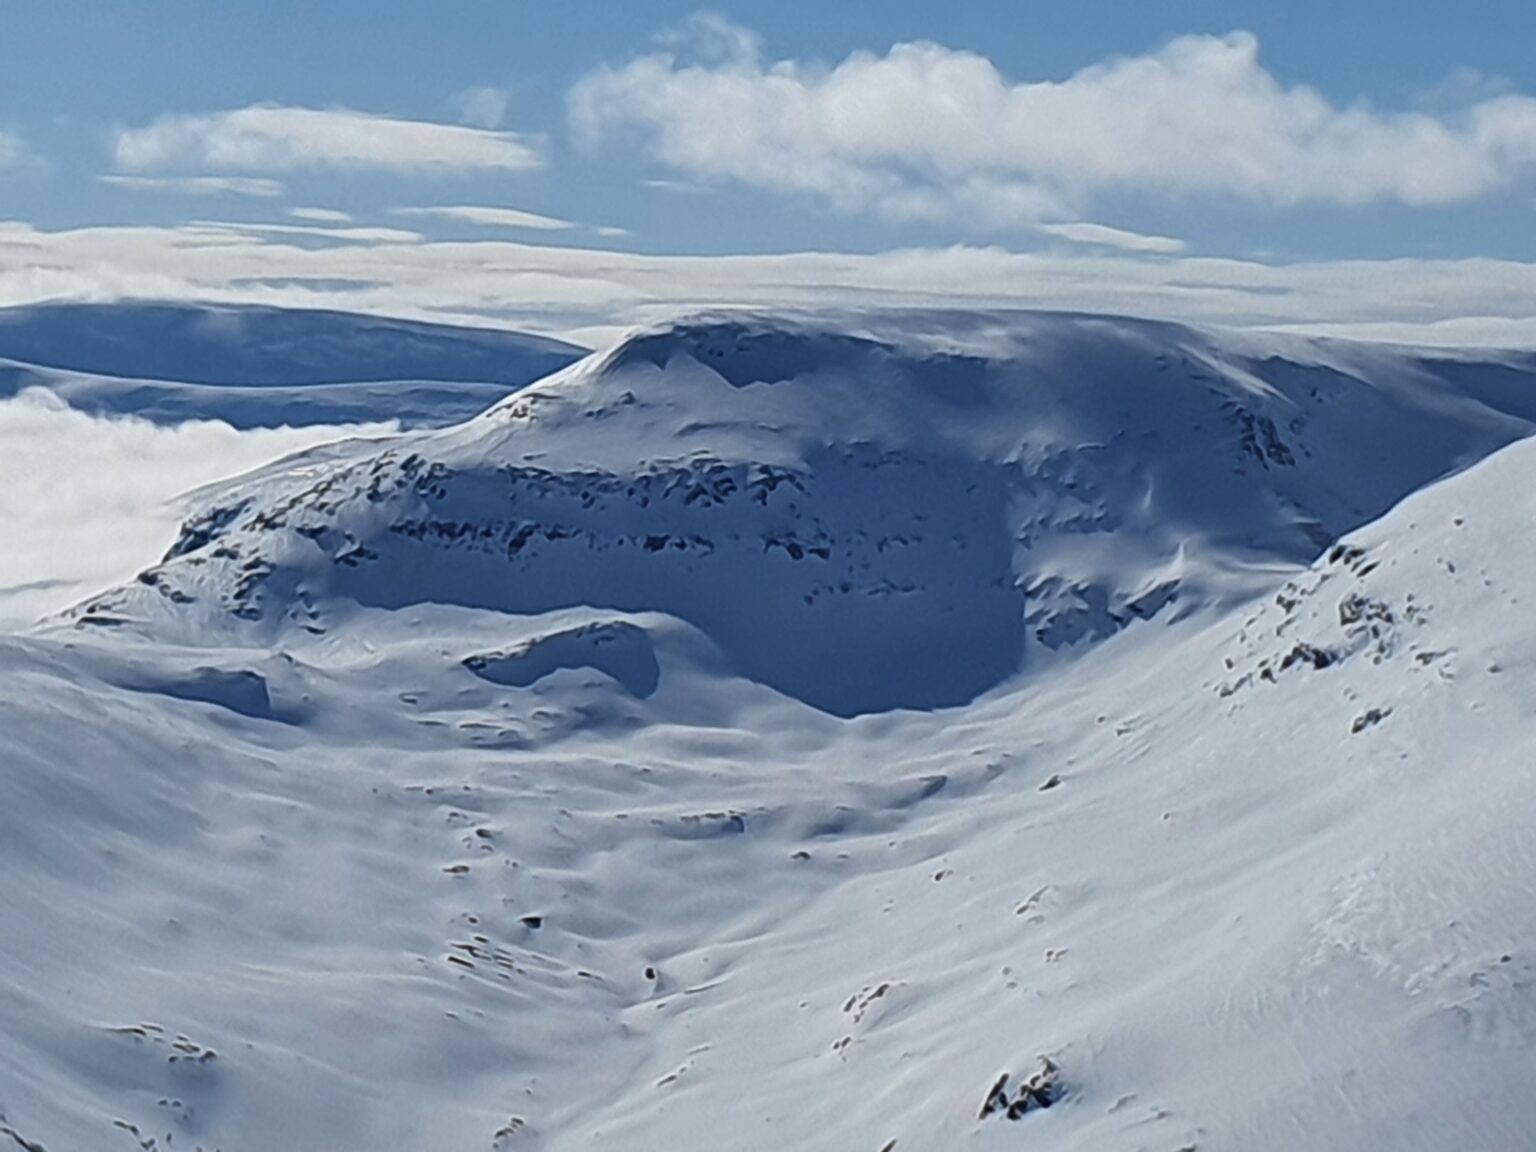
x: 267, y: 137
x: 930, y: 133
x: 255, y: 186
x: 482, y: 107
x: 87, y: 501
x: 490, y: 217
x: 1103, y: 236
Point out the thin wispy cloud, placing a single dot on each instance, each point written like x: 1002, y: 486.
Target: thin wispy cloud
x: 340, y: 233
x: 272, y: 138
x: 482, y: 107
x: 1104, y: 236
x: 684, y: 187
x: 926, y: 132
x: 13, y: 151
x: 253, y: 186
x: 489, y: 217
x: 321, y: 215
x: 712, y: 38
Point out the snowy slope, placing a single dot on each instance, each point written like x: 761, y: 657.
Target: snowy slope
x: 418, y: 801
x: 262, y: 367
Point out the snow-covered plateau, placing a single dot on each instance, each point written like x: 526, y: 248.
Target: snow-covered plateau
x: 866, y: 733
x: 260, y: 367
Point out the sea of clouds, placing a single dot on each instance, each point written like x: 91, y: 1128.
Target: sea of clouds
x: 87, y: 501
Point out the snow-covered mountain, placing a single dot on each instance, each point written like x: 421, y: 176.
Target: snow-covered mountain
x: 771, y: 732
x: 254, y: 367
x: 885, y: 513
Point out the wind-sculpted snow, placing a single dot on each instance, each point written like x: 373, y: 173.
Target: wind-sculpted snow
x: 617, y: 648
x: 483, y: 789
x: 865, y: 522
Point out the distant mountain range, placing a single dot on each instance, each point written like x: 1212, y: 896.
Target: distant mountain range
x: 253, y: 366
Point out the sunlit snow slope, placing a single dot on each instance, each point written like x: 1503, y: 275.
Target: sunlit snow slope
x: 767, y: 734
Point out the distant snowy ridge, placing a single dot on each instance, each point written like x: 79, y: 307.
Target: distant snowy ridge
x: 864, y: 512
x: 254, y: 366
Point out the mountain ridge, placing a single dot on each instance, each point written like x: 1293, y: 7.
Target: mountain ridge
x: 254, y: 366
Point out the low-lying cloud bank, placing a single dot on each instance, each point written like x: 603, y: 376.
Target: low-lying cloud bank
x: 88, y: 501
x: 590, y: 295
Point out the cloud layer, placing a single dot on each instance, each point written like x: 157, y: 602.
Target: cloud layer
x: 86, y: 501
x: 271, y: 138
x: 926, y: 132
x: 589, y: 294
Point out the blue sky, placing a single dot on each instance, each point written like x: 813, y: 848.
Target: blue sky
x: 1279, y: 134
x: 78, y: 71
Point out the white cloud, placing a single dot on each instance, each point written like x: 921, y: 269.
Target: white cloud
x: 117, y: 512
x: 926, y: 132
x: 321, y: 215
x: 267, y: 137
x: 490, y: 217
x: 599, y: 292
x: 482, y: 107
x: 1103, y: 236
x: 198, y: 185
